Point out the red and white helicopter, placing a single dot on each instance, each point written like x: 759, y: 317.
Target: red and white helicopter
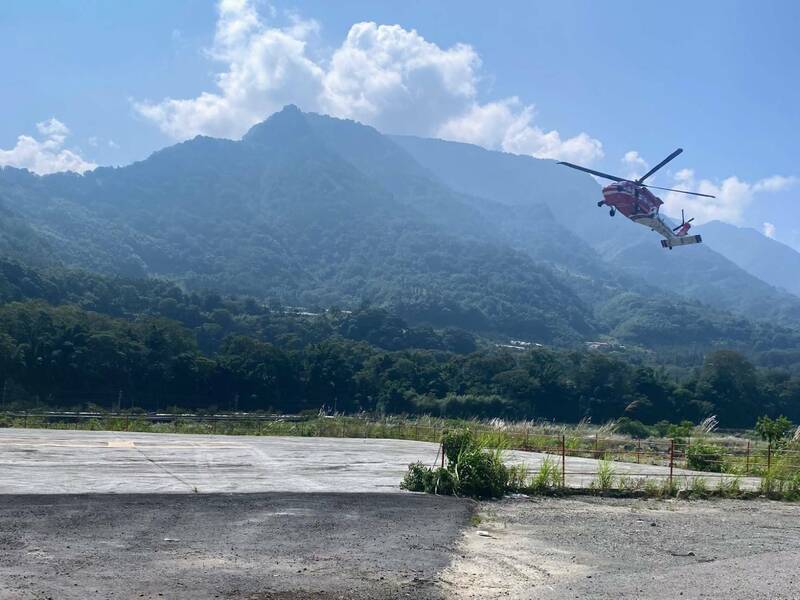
x: 634, y: 200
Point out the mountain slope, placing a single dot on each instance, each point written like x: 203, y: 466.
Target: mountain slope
x: 698, y: 273
x: 313, y: 211
x: 763, y: 257
x: 280, y: 214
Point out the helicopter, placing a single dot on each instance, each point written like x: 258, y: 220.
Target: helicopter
x: 634, y: 199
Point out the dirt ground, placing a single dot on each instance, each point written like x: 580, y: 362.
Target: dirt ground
x: 615, y: 548
x: 277, y: 546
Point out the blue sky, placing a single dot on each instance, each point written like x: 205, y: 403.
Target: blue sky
x: 583, y: 81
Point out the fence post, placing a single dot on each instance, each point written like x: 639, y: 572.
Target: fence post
x: 595, y: 446
x: 638, y: 452
x: 442, y: 449
x: 671, y: 460
x: 769, y: 457
x: 526, y: 438
x: 747, y: 459
x: 563, y: 461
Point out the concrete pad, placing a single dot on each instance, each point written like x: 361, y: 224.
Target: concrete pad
x: 49, y: 461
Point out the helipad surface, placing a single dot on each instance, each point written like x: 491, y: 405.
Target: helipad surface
x: 37, y: 461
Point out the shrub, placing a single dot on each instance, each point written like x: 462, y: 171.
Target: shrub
x: 480, y: 474
x: 682, y: 430
x: 773, y: 430
x: 420, y: 478
x: 457, y: 441
x: 416, y: 478
x: 702, y: 456
x: 472, y: 470
x: 631, y: 427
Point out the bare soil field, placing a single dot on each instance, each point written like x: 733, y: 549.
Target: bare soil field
x: 604, y: 548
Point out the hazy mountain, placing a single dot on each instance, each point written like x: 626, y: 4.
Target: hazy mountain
x: 700, y: 273
x: 309, y: 210
x: 763, y: 257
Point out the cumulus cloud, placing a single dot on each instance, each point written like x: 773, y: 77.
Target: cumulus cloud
x: 635, y: 164
x: 267, y: 67
x: 47, y: 154
x: 508, y: 125
x: 383, y: 75
x: 768, y: 229
x: 733, y: 196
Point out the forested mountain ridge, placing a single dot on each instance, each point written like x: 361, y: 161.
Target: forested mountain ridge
x: 282, y: 216
x: 314, y: 211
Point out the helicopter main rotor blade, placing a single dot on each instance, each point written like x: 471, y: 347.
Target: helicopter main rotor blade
x: 591, y: 171
x: 655, y: 187
x: 659, y: 165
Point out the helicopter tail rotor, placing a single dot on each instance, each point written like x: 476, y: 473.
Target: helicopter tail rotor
x: 684, y: 224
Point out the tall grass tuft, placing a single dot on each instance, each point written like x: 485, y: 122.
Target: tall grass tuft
x: 547, y: 477
x: 605, y: 476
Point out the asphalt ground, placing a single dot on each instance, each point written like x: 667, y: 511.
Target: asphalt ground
x: 285, y: 546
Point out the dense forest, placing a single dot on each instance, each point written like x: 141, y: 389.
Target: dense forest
x: 72, y: 339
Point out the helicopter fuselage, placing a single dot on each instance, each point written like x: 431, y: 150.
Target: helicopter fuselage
x: 631, y: 200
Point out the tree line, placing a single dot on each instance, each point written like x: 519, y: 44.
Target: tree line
x: 66, y: 356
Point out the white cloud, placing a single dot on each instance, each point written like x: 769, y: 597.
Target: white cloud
x: 768, y: 229
x: 776, y: 183
x: 45, y: 155
x: 383, y: 75
x: 508, y: 125
x: 95, y: 142
x: 636, y: 165
x: 395, y: 79
x: 733, y: 196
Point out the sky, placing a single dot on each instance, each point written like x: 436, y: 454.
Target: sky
x: 613, y: 85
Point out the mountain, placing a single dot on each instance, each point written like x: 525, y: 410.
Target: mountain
x: 319, y: 212
x: 280, y: 214
x: 702, y: 273
x: 763, y: 257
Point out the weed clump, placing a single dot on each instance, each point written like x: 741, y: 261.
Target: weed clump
x: 473, y: 470
x: 605, y: 476
x: 548, y: 477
